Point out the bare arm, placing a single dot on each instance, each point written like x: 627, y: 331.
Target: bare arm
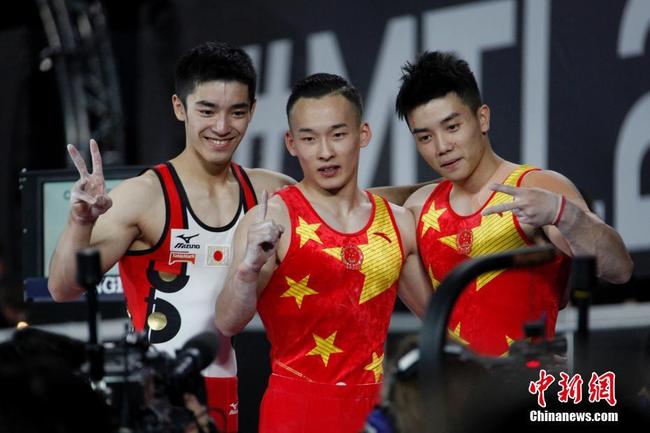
x: 254, y: 259
x: 551, y: 202
x: 267, y: 180
x: 415, y: 201
x: 112, y: 233
x: 414, y: 286
x: 587, y: 234
x: 398, y: 194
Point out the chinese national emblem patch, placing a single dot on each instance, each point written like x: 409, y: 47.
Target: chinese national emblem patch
x: 352, y: 257
x: 464, y: 240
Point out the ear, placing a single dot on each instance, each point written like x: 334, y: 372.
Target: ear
x: 179, y: 108
x: 365, y: 134
x: 289, y: 143
x: 483, y: 115
x: 253, y: 105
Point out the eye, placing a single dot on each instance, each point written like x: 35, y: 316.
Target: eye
x: 240, y: 113
x: 424, y: 138
x: 205, y: 113
x: 339, y: 135
x: 453, y: 127
x: 307, y: 139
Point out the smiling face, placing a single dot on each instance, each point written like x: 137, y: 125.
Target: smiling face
x: 326, y: 136
x: 449, y: 136
x: 216, y: 116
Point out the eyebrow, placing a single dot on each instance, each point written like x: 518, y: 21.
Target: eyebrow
x: 333, y: 127
x: 449, y: 118
x: 209, y: 104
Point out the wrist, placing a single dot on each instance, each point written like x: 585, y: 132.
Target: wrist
x: 82, y: 223
x: 248, y: 272
x: 82, y: 220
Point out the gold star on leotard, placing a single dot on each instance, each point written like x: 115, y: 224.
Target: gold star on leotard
x: 307, y: 232
x: 376, y: 366
x: 325, y: 347
x: 430, y: 219
x: 455, y: 335
x: 434, y: 282
x: 509, y: 341
x: 298, y: 289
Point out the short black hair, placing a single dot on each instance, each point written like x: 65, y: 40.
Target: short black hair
x: 434, y: 75
x: 323, y: 84
x: 212, y: 61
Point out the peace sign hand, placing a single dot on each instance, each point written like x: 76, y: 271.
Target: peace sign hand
x: 88, y: 197
x: 534, y: 206
x: 263, y: 237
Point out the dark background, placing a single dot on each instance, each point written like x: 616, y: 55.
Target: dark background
x: 592, y: 89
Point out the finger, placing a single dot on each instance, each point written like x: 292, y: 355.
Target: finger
x: 78, y: 160
x: 262, y: 206
x: 78, y: 192
x: 498, y: 208
x: 271, y: 242
x: 81, y: 196
x: 268, y: 244
x: 96, y: 158
x: 103, y: 203
x: 507, y: 189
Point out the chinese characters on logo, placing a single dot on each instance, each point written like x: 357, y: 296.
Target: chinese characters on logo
x: 601, y: 387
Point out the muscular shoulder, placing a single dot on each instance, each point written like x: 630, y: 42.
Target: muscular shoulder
x: 277, y: 208
x: 143, y: 187
x: 136, y: 194
x: 550, y: 180
x: 268, y: 180
x: 555, y: 182
x: 401, y: 214
x: 137, y: 211
x: 416, y: 200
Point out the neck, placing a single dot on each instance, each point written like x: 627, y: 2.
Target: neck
x: 338, y: 201
x: 484, y: 171
x: 191, y: 165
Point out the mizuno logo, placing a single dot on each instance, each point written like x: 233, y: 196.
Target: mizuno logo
x: 187, y: 246
x: 187, y: 239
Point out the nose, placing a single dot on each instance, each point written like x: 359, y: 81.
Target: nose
x: 221, y: 124
x: 443, y: 145
x: 325, y: 150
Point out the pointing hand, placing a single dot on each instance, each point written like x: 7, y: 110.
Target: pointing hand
x: 534, y: 206
x: 263, y: 237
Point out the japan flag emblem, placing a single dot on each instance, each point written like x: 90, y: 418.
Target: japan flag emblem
x: 217, y: 255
